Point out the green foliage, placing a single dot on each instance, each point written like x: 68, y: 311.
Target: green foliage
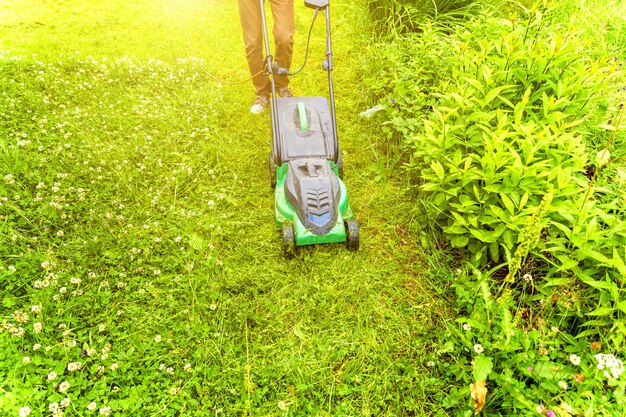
x: 503, y: 118
x: 398, y: 16
x: 506, y: 128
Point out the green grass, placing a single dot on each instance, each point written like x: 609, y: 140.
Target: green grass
x: 124, y: 165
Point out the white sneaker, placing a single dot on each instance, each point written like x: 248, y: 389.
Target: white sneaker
x: 260, y: 103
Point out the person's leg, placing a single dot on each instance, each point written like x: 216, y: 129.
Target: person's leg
x: 284, y: 27
x: 251, y: 23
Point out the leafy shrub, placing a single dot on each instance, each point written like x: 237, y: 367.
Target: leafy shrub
x: 507, y: 127
x: 505, y: 163
x: 405, y: 15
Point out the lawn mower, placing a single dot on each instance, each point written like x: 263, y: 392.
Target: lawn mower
x: 311, y: 200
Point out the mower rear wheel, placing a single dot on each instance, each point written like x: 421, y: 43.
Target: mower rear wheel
x: 352, y: 234
x: 289, y: 242
x: 272, y: 167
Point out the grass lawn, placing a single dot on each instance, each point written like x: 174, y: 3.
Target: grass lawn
x: 140, y: 268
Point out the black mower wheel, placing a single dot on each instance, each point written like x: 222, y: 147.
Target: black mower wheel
x: 352, y: 235
x: 289, y: 242
x: 272, y: 167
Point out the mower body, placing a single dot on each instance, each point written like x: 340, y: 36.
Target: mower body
x: 310, y: 196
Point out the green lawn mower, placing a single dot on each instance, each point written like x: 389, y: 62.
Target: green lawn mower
x: 311, y: 200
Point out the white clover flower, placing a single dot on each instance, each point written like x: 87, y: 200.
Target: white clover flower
x: 64, y: 386
x: 12, y: 269
x: 52, y: 375
x: 25, y: 411
x: 282, y: 405
x: 158, y: 338
x: 612, y: 366
x: 65, y: 402
x: 36, y: 346
x: 91, y: 406
x: 101, y: 328
x: 603, y: 157
x: 467, y: 327
x: 567, y: 408
x: 26, y: 359
x: 169, y: 370
x: 574, y: 359
x: 213, y: 307
x: 75, y: 281
x: 478, y: 348
x: 105, y: 411
x: 563, y: 385
x: 187, y: 367
x: 74, y: 366
x: 36, y: 308
x: 114, y: 366
x: 53, y: 407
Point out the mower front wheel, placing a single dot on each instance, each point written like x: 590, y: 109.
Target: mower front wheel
x: 352, y: 235
x: 289, y: 242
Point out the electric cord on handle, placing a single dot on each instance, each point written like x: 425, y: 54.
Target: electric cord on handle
x: 275, y: 68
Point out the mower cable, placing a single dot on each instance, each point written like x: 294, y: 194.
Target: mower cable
x: 265, y: 71
x: 306, y: 51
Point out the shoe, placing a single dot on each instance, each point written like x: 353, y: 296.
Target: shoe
x: 260, y: 103
x: 285, y: 92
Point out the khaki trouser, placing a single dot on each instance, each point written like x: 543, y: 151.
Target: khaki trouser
x: 252, y: 25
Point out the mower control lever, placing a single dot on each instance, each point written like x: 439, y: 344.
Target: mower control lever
x: 316, y: 4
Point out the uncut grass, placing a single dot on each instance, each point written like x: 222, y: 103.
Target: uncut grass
x: 157, y: 146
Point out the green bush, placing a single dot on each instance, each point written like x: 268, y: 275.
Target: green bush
x: 405, y: 15
x: 507, y: 126
x: 502, y: 119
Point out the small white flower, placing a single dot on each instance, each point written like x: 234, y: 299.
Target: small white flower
x: 282, y: 405
x: 603, y: 157
x: 567, y: 408
x: 36, y: 346
x: 169, y: 370
x: 65, y: 402
x: 53, y: 407
x: 213, y: 307
x: 36, y: 308
x: 114, y: 366
x: 52, y: 375
x: 25, y: 411
x: 37, y: 327
x: 64, y: 386
x: 527, y: 277
x: 467, y: 327
x: 75, y: 281
x: 63, y: 290
x: 91, y: 406
x: 563, y: 385
x: 187, y: 367
x: 478, y: 348
x: 26, y: 359
x: 74, y: 366
x: 157, y: 338
x: 105, y: 411
x: 574, y: 359
x: 430, y: 364
x: 101, y: 328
